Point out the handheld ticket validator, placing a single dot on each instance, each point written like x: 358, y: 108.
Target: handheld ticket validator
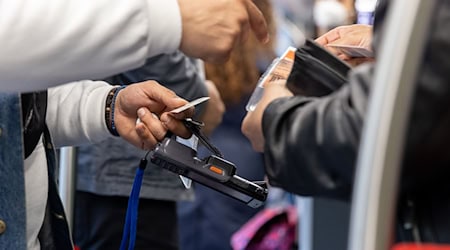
x: 212, y: 171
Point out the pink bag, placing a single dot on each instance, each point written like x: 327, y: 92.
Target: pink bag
x: 273, y: 228
x: 420, y: 246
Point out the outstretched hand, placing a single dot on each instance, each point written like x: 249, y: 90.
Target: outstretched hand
x: 212, y: 28
x: 355, y: 35
x: 351, y: 35
x: 151, y: 103
x: 252, y: 125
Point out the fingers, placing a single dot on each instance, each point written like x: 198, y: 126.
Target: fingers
x: 257, y: 22
x: 249, y: 127
x: 162, y: 98
x: 149, y: 129
x: 152, y: 129
x: 328, y: 37
x: 359, y: 60
x: 224, y: 24
x: 337, y: 52
x: 175, y: 125
x: 146, y: 101
x: 252, y: 124
x: 185, y: 114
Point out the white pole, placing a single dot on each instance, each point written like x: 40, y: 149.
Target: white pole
x: 67, y: 178
x: 381, y: 149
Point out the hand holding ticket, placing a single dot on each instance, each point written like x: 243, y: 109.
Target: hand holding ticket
x: 190, y: 104
x: 279, y: 70
x: 184, y: 107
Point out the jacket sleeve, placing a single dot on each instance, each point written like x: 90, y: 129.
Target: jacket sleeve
x: 45, y: 44
x: 311, y: 142
x: 76, y: 113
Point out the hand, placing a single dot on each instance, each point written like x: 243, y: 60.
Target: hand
x: 353, y: 35
x: 211, y: 28
x: 150, y: 102
x: 212, y: 116
x: 252, y: 124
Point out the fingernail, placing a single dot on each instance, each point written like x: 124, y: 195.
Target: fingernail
x: 141, y: 112
x: 266, y: 39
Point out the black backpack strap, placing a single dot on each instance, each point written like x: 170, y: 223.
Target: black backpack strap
x: 55, y: 233
x: 34, y: 109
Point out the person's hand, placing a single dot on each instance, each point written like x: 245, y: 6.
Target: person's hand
x: 351, y: 35
x: 252, y: 124
x: 212, y: 116
x: 355, y: 35
x: 211, y: 28
x: 150, y: 102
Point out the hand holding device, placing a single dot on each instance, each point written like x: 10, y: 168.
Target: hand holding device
x: 213, y: 171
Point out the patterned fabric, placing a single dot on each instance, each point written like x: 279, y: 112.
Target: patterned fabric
x: 271, y: 229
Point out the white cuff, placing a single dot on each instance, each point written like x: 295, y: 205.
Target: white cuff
x: 95, y: 123
x: 164, y: 26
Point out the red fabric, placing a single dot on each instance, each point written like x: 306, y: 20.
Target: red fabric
x: 414, y: 246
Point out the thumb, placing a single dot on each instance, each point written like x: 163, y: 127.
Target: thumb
x: 257, y: 22
x: 162, y: 96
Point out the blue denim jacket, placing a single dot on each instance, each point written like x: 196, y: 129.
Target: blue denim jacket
x: 12, y: 186
x: 54, y: 233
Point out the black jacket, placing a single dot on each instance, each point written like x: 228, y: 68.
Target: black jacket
x: 312, y: 142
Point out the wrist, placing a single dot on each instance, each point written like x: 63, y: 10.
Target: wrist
x: 110, y: 110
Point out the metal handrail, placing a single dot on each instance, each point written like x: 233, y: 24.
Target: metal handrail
x: 67, y: 179
x: 379, y: 160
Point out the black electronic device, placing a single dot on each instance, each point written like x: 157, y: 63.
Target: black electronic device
x: 212, y: 171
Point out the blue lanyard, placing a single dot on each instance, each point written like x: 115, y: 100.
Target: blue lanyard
x: 129, y: 229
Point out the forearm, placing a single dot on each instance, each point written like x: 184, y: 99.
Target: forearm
x: 76, y: 113
x: 311, y: 143
x: 62, y: 41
